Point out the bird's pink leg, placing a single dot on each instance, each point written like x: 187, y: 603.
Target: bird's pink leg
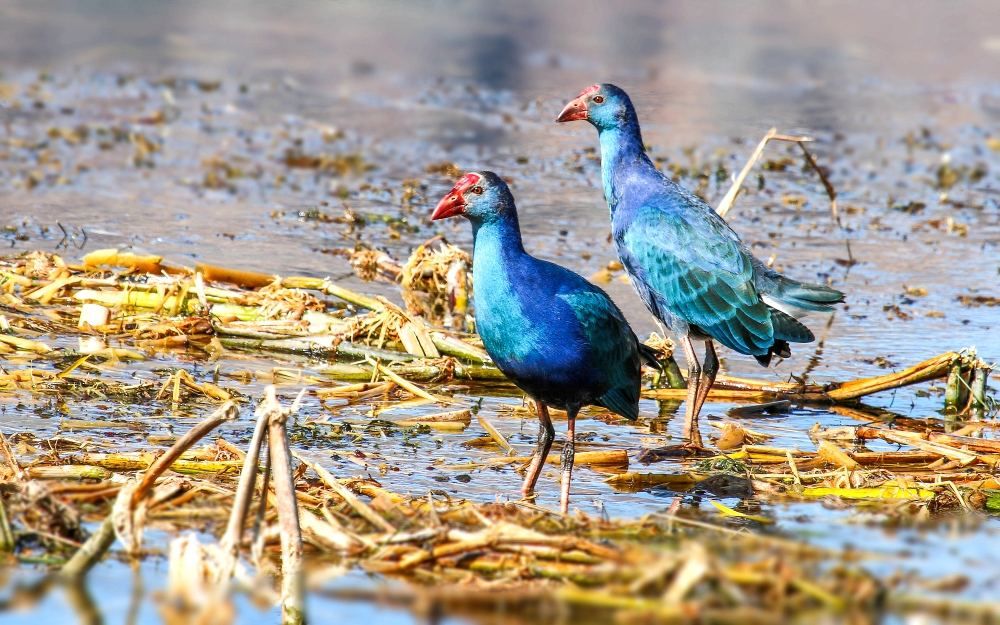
x: 568, y: 455
x: 691, y: 431
x: 542, y: 447
x: 708, y: 372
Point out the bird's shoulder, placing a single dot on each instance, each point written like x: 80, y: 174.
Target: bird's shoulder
x: 584, y: 298
x: 596, y: 315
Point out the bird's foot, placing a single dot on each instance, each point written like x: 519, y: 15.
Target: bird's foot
x: 528, y: 497
x: 695, y: 448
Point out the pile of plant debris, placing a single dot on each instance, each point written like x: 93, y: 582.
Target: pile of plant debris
x: 74, y: 330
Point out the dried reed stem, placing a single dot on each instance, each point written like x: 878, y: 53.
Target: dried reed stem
x: 244, y: 492
x: 226, y: 412
x: 730, y: 196
x: 292, y: 579
x: 99, y: 542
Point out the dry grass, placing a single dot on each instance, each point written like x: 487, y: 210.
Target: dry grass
x: 454, y: 553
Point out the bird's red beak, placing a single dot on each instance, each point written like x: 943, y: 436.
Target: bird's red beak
x: 453, y: 203
x: 449, y: 206
x: 577, y: 107
x: 575, y: 110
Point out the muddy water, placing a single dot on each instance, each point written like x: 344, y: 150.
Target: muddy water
x: 169, y: 128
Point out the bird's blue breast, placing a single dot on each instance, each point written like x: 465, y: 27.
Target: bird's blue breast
x: 525, y: 317
x: 503, y: 317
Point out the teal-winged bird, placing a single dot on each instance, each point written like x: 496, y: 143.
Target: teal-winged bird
x: 689, y: 267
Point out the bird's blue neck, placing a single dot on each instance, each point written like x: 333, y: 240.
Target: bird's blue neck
x: 498, y: 258
x: 622, y: 156
x: 497, y: 239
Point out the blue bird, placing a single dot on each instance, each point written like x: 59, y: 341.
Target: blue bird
x: 559, y: 338
x: 690, y: 268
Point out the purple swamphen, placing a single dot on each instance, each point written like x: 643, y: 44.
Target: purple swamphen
x: 690, y: 268
x: 556, y: 336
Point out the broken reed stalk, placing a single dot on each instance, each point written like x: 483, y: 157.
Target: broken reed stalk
x: 90, y: 552
x: 732, y: 388
x: 672, y: 372
x: 406, y: 385
x: 226, y: 412
x: 363, y: 509
x: 15, y: 467
x: 257, y: 545
x: 325, y: 286
x: 607, y: 458
x: 929, y: 369
x: 772, y: 135
x: 411, y: 367
x: 7, y: 540
x: 325, y: 346
x: 979, y: 375
x: 417, y: 371
x: 292, y: 579
x: 99, y: 542
x: 730, y: 197
x: 495, y: 434
x: 232, y: 539
x: 827, y: 185
x: 940, y: 444
x: 69, y: 472
x: 954, y: 392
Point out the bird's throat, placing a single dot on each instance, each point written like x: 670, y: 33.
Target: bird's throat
x: 621, y: 153
x: 496, y: 241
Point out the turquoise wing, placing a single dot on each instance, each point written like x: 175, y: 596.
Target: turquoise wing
x: 689, y: 263
x: 613, y: 347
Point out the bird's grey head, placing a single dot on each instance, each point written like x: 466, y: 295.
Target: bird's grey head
x: 604, y: 105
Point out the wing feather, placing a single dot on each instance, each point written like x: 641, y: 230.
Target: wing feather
x: 693, y: 265
x: 613, y: 346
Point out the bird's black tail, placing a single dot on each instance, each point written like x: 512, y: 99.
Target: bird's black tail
x: 786, y: 329
x: 624, y: 401
x: 780, y: 348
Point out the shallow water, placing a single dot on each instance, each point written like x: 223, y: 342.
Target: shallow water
x: 890, y: 92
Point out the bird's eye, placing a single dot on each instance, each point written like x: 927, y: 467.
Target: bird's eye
x: 598, y: 99
x: 478, y: 190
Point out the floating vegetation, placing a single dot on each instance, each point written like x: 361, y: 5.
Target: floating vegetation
x: 663, y: 565
x: 70, y: 330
